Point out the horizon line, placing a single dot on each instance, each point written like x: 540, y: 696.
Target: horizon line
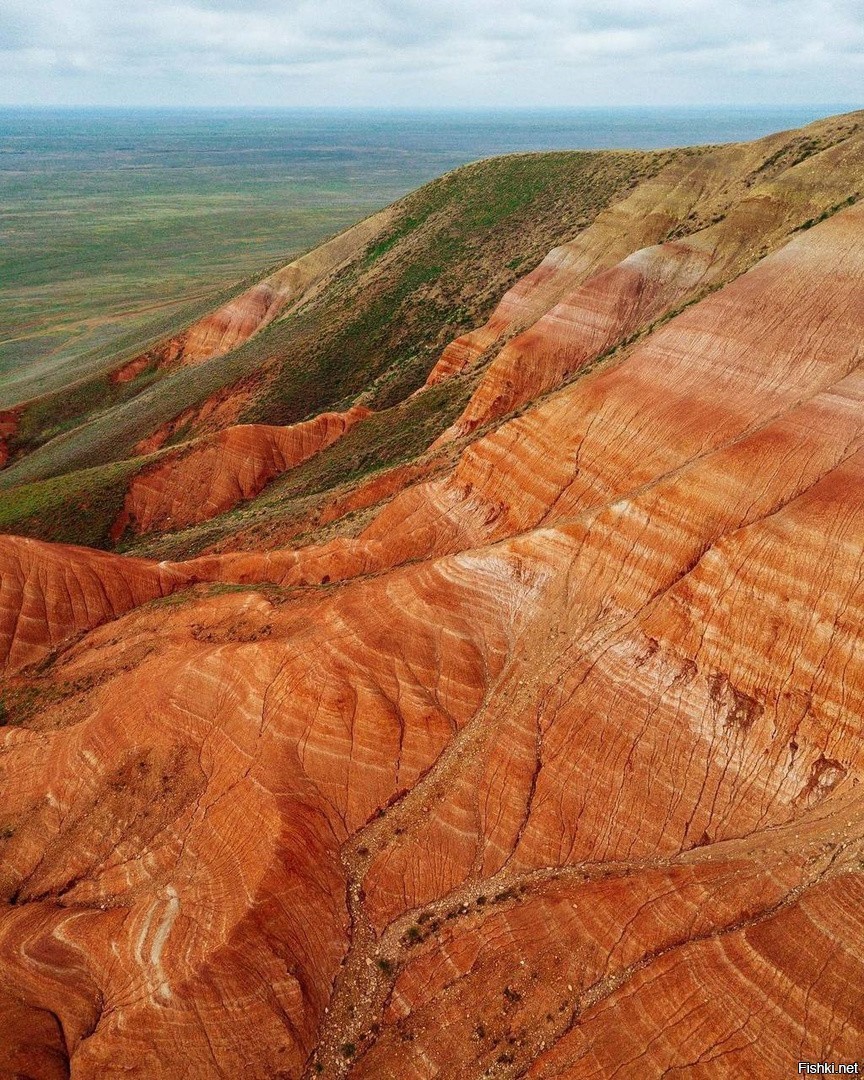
x: 780, y: 107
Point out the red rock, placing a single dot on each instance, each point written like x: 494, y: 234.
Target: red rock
x: 643, y: 218
x: 214, y: 473
x: 242, y: 821
x: 538, y: 978
x: 708, y: 377
x: 50, y: 592
x: 382, y: 486
x: 604, y: 312
x: 565, y: 782
x: 8, y: 426
x: 716, y: 998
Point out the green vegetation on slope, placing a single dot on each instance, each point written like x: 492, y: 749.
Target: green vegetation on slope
x: 455, y: 246
x: 81, y: 507
x: 77, y: 508
x: 371, y: 332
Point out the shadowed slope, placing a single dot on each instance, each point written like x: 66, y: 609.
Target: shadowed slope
x: 235, y: 322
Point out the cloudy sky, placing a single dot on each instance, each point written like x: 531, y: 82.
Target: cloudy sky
x: 431, y: 52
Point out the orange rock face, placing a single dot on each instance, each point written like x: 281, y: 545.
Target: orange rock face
x: 49, y: 592
x: 215, y: 334
x: 644, y: 218
x: 218, y: 471
x: 554, y: 771
x: 601, y: 314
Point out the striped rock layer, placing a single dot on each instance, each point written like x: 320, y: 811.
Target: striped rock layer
x: 553, y: 771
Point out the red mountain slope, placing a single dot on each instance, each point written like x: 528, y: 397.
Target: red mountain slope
x: 550, y: 771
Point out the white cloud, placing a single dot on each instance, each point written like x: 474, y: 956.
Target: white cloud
x: 428, y: 52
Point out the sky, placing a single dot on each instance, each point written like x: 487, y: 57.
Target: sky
x: 431, y: 53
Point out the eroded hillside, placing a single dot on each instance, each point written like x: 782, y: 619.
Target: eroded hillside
x: 480, y: 689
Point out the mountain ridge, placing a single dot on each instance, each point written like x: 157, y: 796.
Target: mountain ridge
x: 538, y: 754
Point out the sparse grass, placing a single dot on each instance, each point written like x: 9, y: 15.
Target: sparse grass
x: 453, y: 250
x: 384, y: 439
x: 800, y: 147
x: 77, y: 508
x: 827, y: 213
x: 21, y: 703
x: 380, y: 325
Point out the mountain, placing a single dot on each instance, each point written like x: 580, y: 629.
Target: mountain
x: 444, y: 658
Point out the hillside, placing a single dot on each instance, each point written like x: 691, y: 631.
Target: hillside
x: 118, y: 225
x: 470, y: 680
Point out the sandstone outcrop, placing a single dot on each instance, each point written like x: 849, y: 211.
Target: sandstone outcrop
x: 216, y: 472
x: 686, y: 187
x: 554, y: 770
x: 704, y: 379
x: 571, y: 323
x: 50, y: 592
